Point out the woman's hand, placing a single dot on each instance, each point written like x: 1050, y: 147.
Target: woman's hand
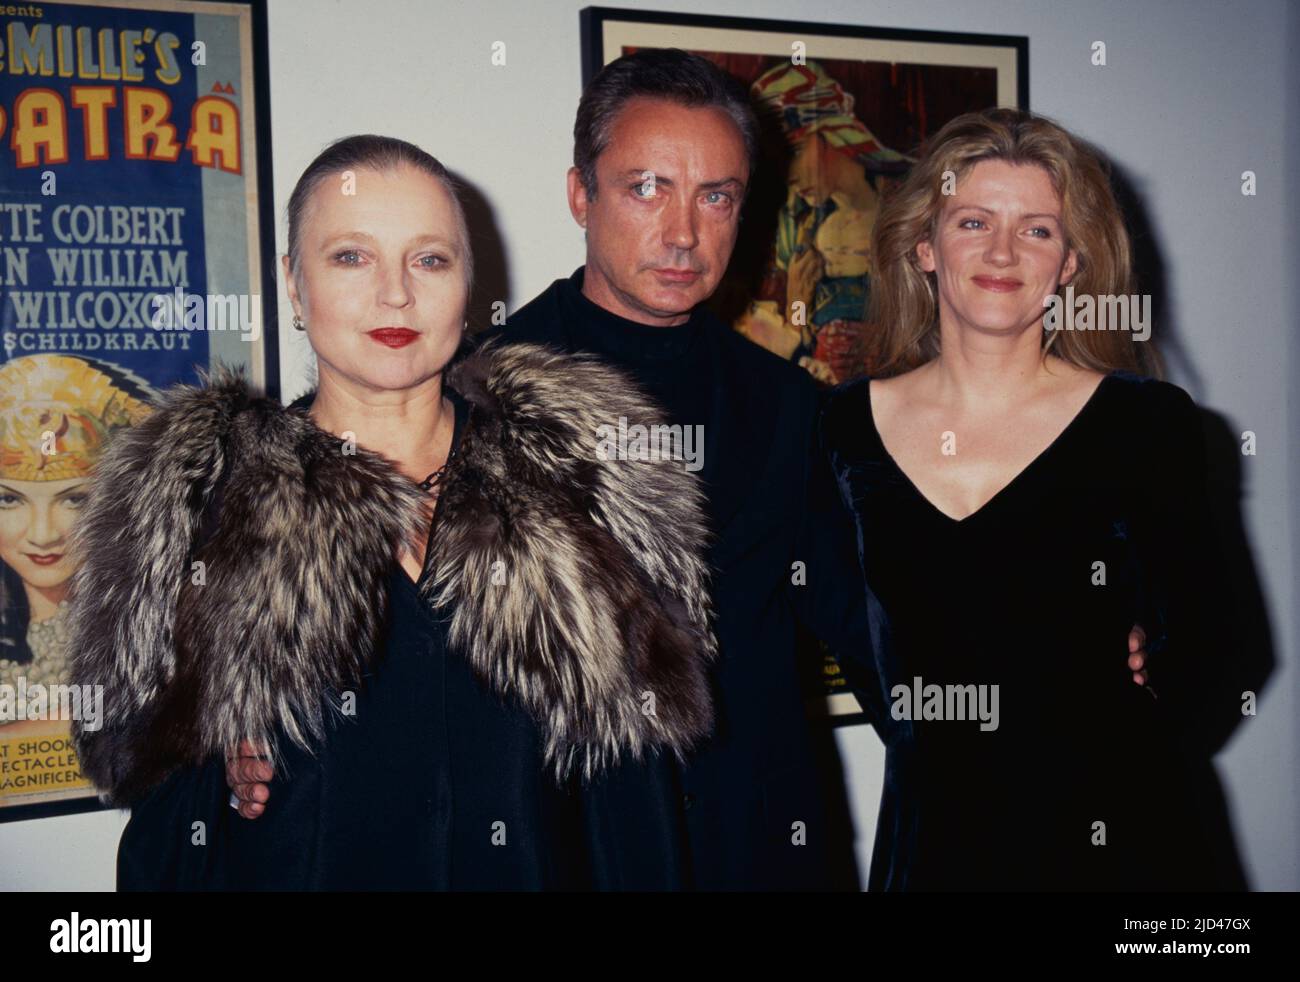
x: 247, y: 771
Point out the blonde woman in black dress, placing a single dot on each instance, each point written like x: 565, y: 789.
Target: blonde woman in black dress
x: 1023, y: 496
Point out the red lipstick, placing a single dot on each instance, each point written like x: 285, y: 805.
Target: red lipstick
x: 394, y: 337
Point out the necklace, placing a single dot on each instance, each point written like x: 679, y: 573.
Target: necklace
x: 434, y: 479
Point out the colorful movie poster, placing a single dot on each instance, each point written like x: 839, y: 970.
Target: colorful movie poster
x: 133, y: 210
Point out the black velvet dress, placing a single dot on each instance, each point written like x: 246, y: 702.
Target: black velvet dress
x: 433, y: 783
x: 1086, y: 781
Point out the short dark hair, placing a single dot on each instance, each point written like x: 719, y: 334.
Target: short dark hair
x: 381, y: 153
x: 656, y: 73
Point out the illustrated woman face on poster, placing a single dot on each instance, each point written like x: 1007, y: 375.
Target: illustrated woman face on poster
x: 814, y: 310
x: 55, y: 414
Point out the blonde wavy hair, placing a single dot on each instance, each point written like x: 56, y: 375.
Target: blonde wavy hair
x: 905, y: 306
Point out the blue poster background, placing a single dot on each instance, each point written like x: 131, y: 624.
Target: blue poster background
x: 159, y: 357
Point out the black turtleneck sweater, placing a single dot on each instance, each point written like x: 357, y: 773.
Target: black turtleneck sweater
x: 667, y: 361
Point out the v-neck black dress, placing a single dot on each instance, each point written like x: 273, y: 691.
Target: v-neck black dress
x: 1074, y: 778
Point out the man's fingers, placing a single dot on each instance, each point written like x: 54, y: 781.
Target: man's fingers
x: 252, y: 799
x: 248, y: 764
x: 246, y: 770
x: 249, y: 749
x: 1137, y: 658
x: 252, y: 793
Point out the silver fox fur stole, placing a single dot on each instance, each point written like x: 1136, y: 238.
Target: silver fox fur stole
x: 575, y: 586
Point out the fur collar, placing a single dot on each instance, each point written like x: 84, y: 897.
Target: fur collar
x: 574, y: 585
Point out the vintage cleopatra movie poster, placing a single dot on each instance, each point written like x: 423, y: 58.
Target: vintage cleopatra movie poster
x: 843, y: 110
x: 135, y: 250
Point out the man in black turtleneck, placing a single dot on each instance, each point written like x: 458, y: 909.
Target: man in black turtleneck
x: 664, y: 146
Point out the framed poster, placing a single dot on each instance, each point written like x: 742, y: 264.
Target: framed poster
x: 136, y: 249
x: 844, y: 110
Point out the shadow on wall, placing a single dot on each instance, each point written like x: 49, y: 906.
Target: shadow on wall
x: 491, y: 276
x: 1250, y: 660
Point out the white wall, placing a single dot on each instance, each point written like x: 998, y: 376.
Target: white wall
x: 1192, y: 95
